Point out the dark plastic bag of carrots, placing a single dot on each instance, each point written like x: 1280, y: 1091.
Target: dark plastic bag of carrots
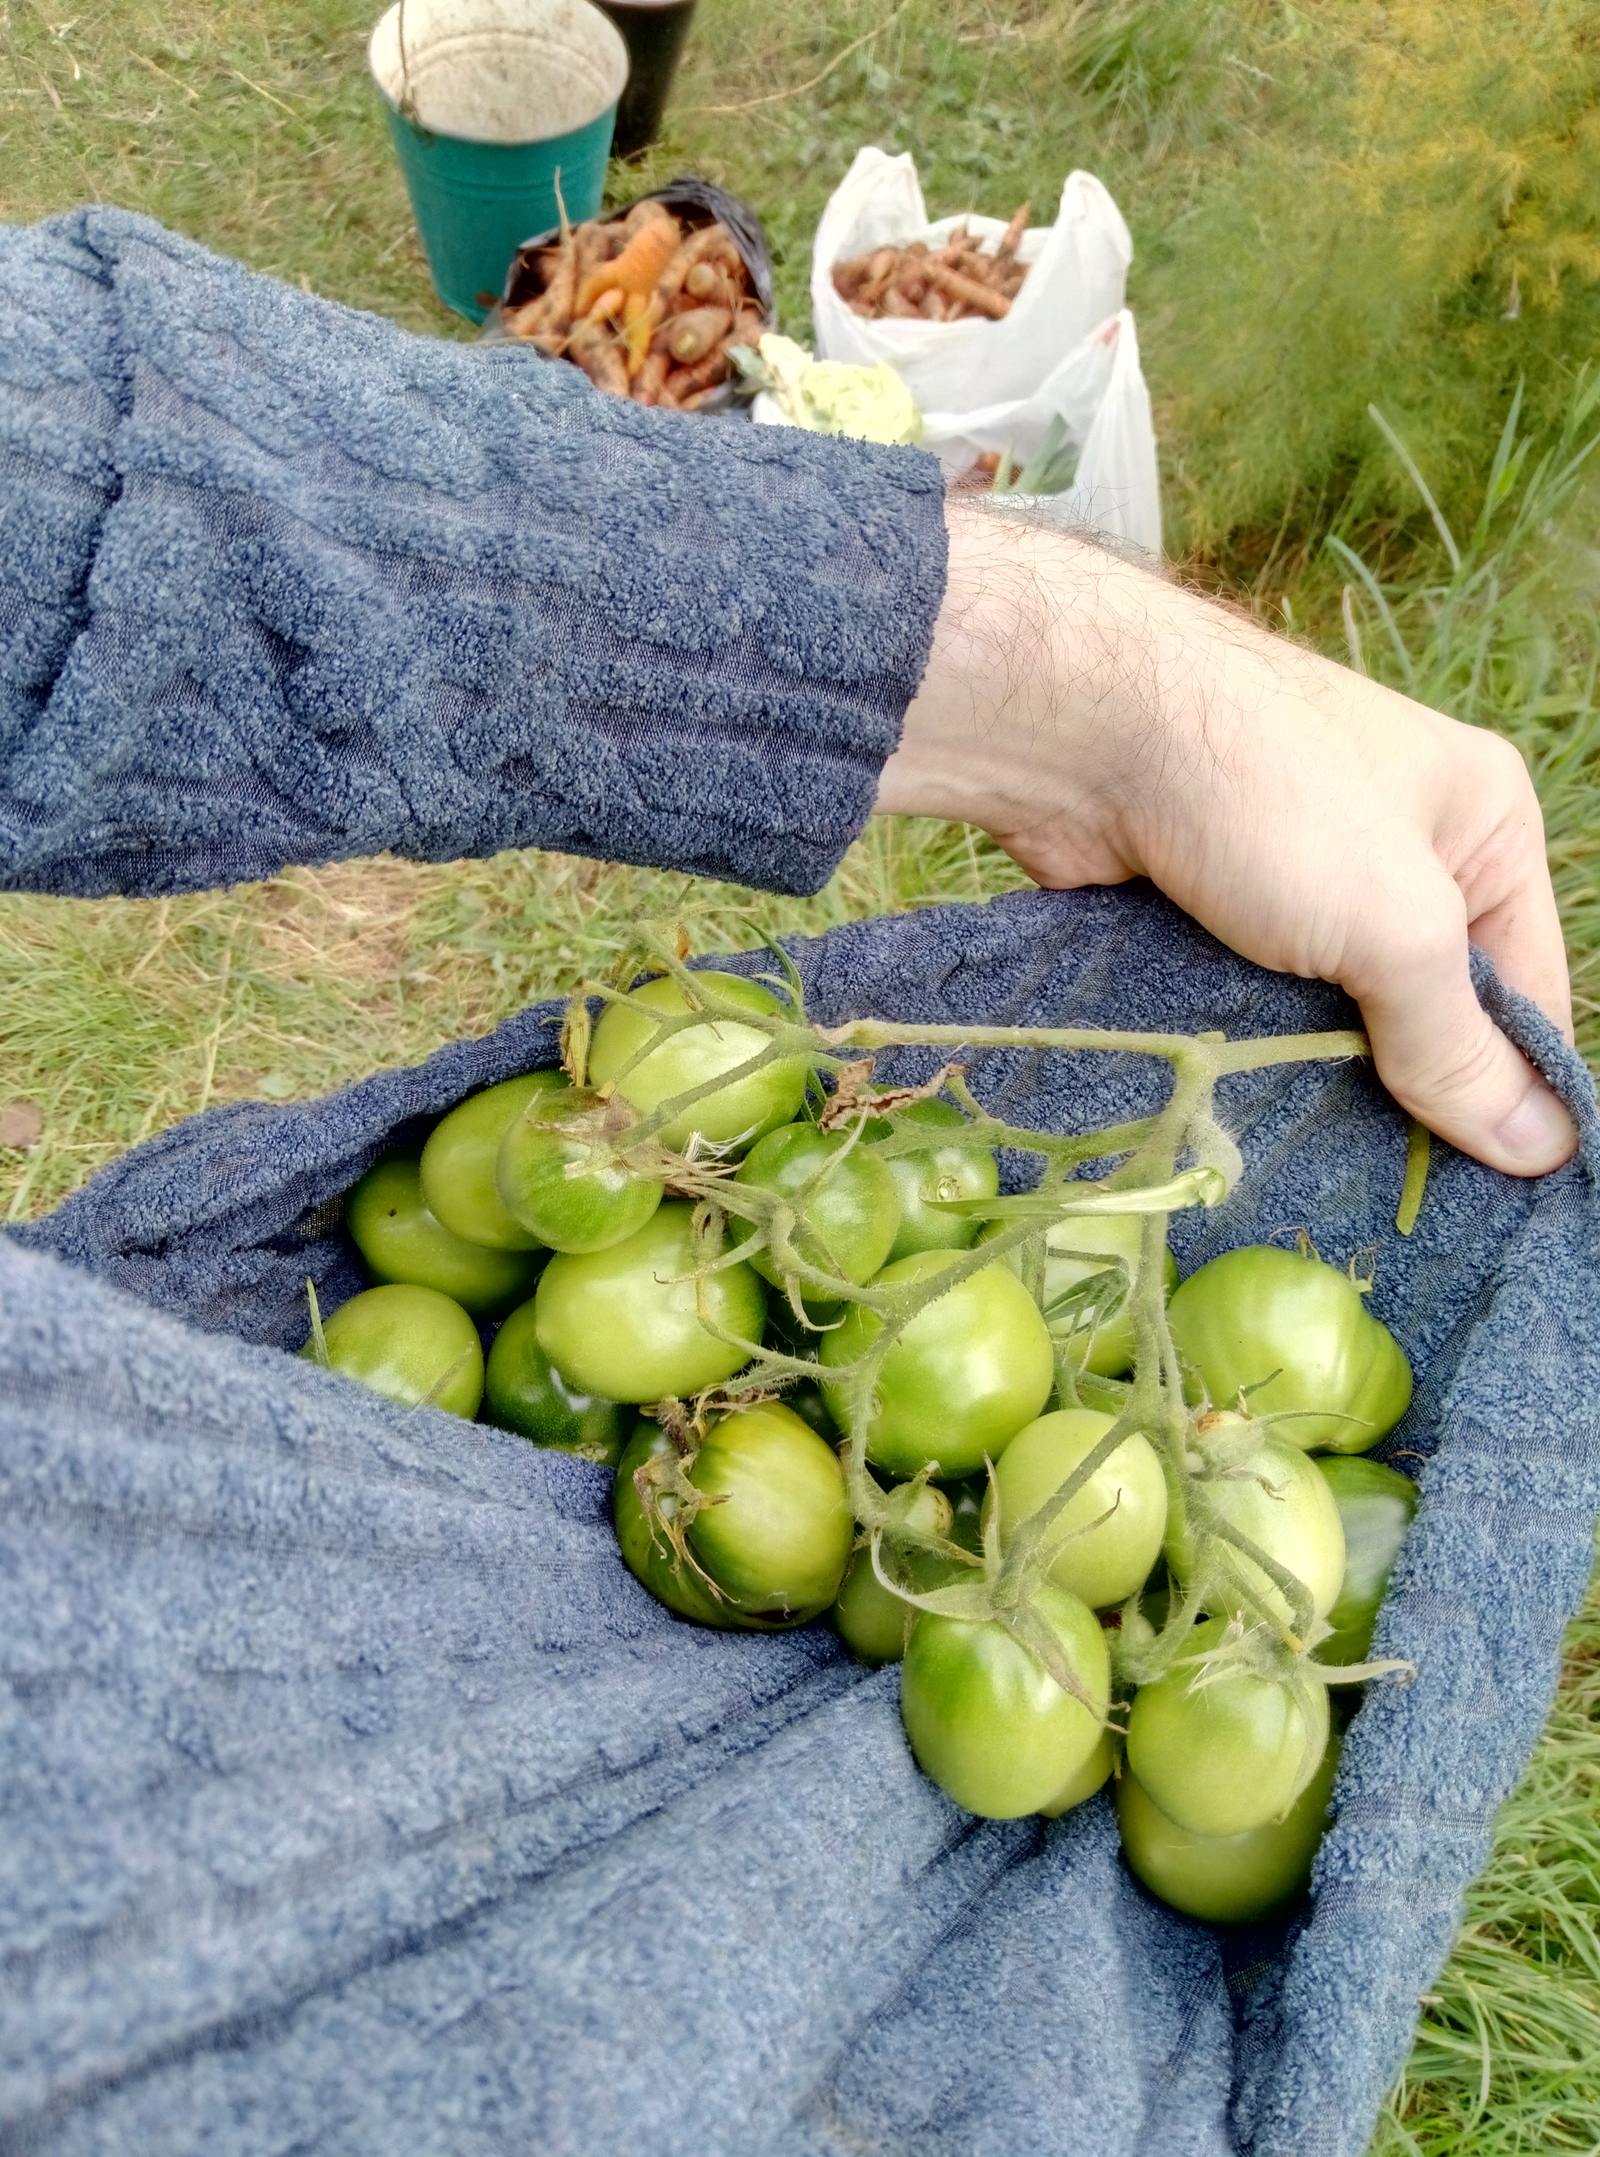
x: 649, y: 300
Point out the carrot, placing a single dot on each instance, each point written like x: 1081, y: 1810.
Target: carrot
x: 711, y: 242
x: 600, y: 357
x: 647, y: 382
x: 710, y: 282
x: 689, y: 337
x: 638, y: 266
x: 982, y: 299
x: 685, y: 381
x: 639, y: 318
x: 1011, y: 238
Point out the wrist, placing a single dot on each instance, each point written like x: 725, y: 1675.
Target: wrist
x: 1042, y: 700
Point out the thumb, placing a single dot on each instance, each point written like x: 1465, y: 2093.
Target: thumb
x: 1443, y: 1058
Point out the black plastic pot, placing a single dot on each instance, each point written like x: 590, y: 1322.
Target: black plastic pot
x: 654, y: 32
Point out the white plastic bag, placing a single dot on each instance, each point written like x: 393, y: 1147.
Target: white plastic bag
x: 1067, y: 347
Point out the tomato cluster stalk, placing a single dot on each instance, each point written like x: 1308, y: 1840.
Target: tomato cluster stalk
x: 1178, y: 1157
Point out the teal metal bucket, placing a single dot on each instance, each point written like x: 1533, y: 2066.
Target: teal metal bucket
x: 492, y: 105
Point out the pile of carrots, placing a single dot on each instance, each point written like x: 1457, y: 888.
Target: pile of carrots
x: 951, y: 283
x: 646, y: 308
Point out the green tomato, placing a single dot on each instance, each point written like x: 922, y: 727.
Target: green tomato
x: 1227, y: 1757
x: 401, y: 1240
x: 1376, y: 1506
x: 524, y: 1392
x: 410, y: 1344
x: 845, y: 1216
x: 775, y: 1536
x: 1296, y: 1333
x: 458, y: 1162
x: 872, y: 1621
x: 1104, y: 1563
x: 1227, y: 1879
x: 1097, y: 1328
x: 623, y: 1322
x: 736, y: 1114
x: 558, y: 1176
x: 926, y: 1181
x: 960, y: 1381
x: 1280, y: 1500
x: 988, y: 1722
x: 649, y: 1557
x: 1092, y: 1776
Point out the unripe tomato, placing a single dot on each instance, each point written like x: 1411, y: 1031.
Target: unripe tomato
x: 1229, y: 1756
x: 458, y: 1162
x: 988, y: 1722
x: 1264, y: 1314
x: 776, y: 1535
x: 871, y: 1621
x: 1227, y: 1879
x: 400, y: 1240
x: 923, y: 1181
x: 566, y: 1185
x: 961, y: 1380
x: 406, y: 1342
x: 846, y: 1223
x: 649, y: 1557
x: 1107, y: 1562
x: 1092, y: 1776
x: 1280, y: 1500
x: 1376, y: 1506
x: 1073, y: 1250
x: 524, y: 1392
x: 623, y: 1322
x: 694, y: 1057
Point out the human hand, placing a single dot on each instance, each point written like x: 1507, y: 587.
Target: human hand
x: 1102, y: 724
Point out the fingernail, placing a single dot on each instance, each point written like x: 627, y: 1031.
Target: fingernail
x: 1539, y: 1134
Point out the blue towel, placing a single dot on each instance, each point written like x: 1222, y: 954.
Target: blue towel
x: 358, y: 1802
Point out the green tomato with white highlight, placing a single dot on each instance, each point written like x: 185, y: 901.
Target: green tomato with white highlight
x: 986, y: 1719
x: 458, y: 1162
x: 1101, y: 1559
x: 1227, y: 1879
x: 558, y: 1176
x: 871, y: 1619
x: 410, y: 1344
x: 1282, y: 1502
x: 1223, y: 1757
x: 625, y: 1322
x: 846, y: 1205
x: 925, y: 1182
x: 1376, y: 1507
x: 401, y: 1240
x: 966, y: 1374
x: 735, y: 1115
x: 1297, y: 1338
x: 524, y: 1392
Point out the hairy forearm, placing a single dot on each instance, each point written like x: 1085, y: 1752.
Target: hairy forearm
x: 1102, y: 722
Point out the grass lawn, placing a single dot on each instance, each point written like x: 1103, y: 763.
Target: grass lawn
x: 1315, y: 231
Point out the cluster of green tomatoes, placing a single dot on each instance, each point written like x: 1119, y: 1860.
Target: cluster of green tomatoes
x: 1110, y: 1524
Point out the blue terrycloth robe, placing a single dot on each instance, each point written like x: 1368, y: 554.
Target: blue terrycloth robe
x: 355, y: 1799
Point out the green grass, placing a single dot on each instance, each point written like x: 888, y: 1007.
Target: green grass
x: 1331, y: 207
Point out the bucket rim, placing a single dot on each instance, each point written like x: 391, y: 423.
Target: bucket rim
x: 600, y: 41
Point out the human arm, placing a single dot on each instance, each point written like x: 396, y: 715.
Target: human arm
x: 1103, y: 724
x: 280, y: 583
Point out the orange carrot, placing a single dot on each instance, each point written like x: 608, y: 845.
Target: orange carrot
x: 610, y: 301
x: 647, y: 383
x: 690, y: 336
x: 639, y: 318
x: 600, y: 357
x: 638, y: 266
